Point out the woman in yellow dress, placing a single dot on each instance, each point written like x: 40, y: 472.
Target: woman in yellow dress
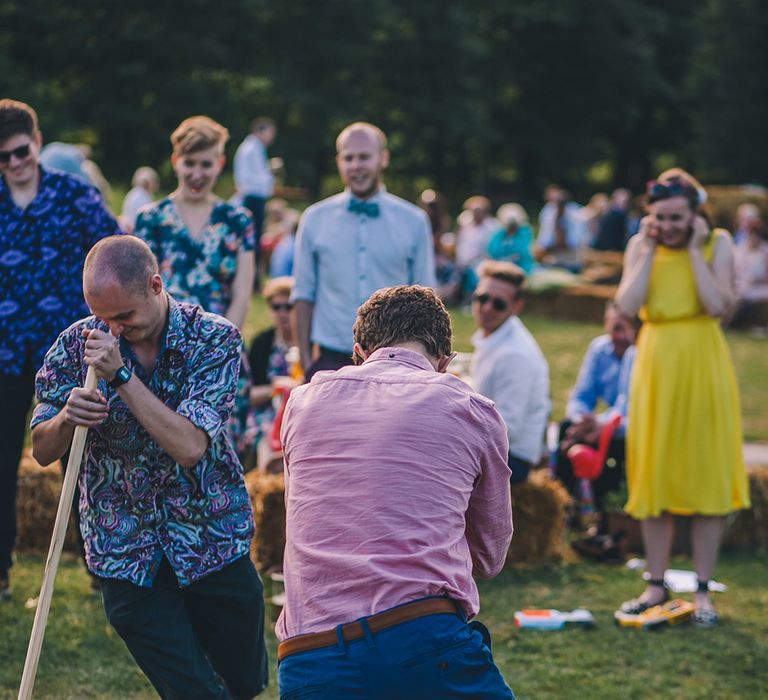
x: 684, y: 443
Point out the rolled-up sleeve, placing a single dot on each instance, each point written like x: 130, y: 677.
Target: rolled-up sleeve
x: 212, y: 381
x: 489, y: 514
x: 305, y: 265
x: 61, y: 372
x: 424, y: 256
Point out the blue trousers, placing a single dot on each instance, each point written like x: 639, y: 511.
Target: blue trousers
x: 436, y: 656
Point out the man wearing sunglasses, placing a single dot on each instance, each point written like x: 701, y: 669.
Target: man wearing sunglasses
x: 48, y: 223
x: 508, y: 365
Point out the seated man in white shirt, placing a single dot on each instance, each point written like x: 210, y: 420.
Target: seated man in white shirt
x: 508, y: 366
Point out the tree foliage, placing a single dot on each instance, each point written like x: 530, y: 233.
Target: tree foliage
x: 475, y: 96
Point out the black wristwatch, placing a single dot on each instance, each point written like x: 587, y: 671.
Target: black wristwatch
x: 121, y: 377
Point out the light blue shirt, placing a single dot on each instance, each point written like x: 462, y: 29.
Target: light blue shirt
x: 343, y: 257
x: 598, y: 379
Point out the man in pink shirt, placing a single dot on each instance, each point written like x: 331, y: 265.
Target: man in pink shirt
x: 397, y: 492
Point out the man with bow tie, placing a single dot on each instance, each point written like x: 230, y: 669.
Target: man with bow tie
x: 352, y: 244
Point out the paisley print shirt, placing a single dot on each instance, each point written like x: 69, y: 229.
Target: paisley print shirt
x: 138, y: 505
x: 197, y: 270
x: 42, y: 250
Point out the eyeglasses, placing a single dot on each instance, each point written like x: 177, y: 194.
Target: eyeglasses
x: 20, y: 152
x: 281, y: 307
x: 497, y: 303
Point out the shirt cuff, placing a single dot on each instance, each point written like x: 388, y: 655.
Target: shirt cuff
x: 202, y: 415
x: 43, y: 412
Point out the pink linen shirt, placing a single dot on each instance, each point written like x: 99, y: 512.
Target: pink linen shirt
x: 396, y: 488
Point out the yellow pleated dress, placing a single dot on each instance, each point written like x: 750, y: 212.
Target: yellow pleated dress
x: 684, y: 439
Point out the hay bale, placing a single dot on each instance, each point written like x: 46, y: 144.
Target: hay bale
x: 748, y: 529
x: 36, y: 505
x: 539, y: 509
x: 267, y: 494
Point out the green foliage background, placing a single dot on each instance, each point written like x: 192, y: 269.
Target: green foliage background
x: 475, y: 95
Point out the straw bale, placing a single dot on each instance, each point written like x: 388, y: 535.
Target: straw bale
x: 36, y: 506
x: 267, y: 494
x: 539, y: 508
x: 748, y: 529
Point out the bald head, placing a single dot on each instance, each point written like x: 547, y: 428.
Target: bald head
x: 364, y: 129
x: 125, y: 260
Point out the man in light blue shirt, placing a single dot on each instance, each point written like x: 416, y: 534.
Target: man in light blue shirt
x: 352, y: 244
x: 603, y: 379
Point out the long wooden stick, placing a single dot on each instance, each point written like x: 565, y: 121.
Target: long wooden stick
x: 54, y: 553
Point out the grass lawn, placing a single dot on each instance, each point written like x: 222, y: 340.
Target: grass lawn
x: 83, y: 658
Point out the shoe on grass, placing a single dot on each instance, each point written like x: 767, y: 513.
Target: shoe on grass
x: 705, y: 616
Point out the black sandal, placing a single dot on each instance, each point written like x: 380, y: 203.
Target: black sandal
x: 705, y: 617
x: 637, y: 606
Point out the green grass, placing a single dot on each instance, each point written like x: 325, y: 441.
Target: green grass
x: 83, y: 658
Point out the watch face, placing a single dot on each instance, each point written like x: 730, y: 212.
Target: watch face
x: 124, y: 373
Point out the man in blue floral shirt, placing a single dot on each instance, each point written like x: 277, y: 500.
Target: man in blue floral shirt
x: 165, y: 513
x: 48, y: 222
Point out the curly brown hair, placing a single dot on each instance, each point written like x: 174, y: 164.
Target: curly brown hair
x: 396, y: 315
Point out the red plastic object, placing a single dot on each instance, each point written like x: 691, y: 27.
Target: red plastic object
x: 587, y: 461
x: 274, y: 434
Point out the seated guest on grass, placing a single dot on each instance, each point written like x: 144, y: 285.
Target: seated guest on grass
x: 513, y: 242
x: 599, y: 383
x: 268, y: 360
x: 508, y: 366
x: 396, y: 495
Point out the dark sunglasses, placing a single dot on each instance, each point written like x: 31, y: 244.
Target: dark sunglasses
x: 661, y: 190
x: 497, y: 303
x: 20, y: 152
x: 281, y: 307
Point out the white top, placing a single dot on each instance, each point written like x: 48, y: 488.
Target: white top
x: 509, y: 368
x: 136, y: 198
x: 472, y: 241
x: 252, y: 173
x: 576, y: 231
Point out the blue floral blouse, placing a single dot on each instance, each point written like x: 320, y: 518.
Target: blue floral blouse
x: 197, y: 270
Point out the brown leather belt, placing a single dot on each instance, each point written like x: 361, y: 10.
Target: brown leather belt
x: 376, y: 623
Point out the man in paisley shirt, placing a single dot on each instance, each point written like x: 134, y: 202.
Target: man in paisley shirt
x: 165, y: 514
x: 48, y: 222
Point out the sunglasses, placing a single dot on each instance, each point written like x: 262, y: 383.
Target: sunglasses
x: 661, y: 190
x: 281, y: 307
x: 497, y: 303
x: 20, y: 152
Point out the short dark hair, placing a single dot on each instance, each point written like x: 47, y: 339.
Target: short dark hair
x: 506, y: 272
x: 396, y: 315
x: 127, y: 259
x: 16, y: 118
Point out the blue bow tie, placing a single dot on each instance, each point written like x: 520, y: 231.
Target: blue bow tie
x: 357, y: 206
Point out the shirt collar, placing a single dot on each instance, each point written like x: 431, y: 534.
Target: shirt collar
x: 376, y: 198
x: 401, y: 356
x: 503, y: 332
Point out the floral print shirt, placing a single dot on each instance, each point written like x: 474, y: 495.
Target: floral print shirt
x: 42, y: 250
x: 137, y: 504
x: 199, y: 270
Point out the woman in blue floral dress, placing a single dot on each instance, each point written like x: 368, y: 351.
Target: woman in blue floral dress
x: 204, y: 245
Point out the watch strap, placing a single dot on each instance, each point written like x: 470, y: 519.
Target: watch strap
x: 122, y: 376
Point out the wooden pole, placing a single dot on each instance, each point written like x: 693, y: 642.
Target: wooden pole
x: 54, y: 553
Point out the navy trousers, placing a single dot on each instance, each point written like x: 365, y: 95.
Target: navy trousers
x: 436, y: 656
x: 201, y: 642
